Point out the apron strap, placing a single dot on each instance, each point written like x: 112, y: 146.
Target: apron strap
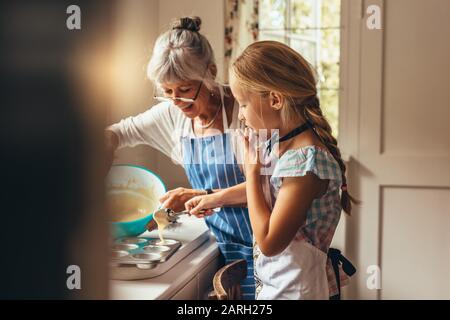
x: 338, y: 259
x: 224, y: 112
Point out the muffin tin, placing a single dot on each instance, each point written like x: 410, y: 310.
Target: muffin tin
x: 142, y: 252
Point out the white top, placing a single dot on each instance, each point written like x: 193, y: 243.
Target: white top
x: 163, y: 126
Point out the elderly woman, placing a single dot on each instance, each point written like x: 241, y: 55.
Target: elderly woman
x: 190, y: 125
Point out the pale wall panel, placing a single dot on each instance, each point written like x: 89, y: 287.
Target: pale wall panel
x: 416, y: 70
x: 415, y: 250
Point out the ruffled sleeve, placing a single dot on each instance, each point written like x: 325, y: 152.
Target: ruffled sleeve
x: 310, y: 159
x: 317, y: 161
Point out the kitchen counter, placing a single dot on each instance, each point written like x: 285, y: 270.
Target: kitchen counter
x: 189, y: 278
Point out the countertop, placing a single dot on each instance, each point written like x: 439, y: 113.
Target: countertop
x: 167, y: 284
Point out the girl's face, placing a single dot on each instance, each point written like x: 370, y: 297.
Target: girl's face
x: 257, y: 111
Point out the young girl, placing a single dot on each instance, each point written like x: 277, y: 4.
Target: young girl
x: 296, y: 185
x: 293, y: 212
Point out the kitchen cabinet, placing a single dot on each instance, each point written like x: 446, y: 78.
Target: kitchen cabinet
x: 200, y: 285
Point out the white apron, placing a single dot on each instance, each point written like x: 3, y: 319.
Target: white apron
x: 298, y: 273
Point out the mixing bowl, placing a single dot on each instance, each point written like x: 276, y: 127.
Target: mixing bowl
x: 128, y: 181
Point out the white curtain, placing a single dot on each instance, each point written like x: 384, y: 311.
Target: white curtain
x: 241, y: 28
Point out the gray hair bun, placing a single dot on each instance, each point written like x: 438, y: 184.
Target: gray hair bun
x: 188, y: 23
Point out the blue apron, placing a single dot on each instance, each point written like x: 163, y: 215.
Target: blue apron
x: 210, y: 164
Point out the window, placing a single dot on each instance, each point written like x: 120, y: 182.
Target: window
x: 311, y: 27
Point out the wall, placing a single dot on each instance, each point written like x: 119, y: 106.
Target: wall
x: 138, y: 24
x: 395, y: 131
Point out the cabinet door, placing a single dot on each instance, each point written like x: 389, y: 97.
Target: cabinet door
x: 188, y: 292
x: 206, y: 276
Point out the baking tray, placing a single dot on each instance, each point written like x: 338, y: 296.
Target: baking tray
x: 142, y: 252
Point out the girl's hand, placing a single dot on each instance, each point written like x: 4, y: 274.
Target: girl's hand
x: 252, y: 164
x: 205, y: 202
x: 175, y: 199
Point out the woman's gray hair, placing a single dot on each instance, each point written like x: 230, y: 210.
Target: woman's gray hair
x: 182, y: 54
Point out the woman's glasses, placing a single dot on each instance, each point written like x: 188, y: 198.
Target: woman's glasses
x: 188, y: 100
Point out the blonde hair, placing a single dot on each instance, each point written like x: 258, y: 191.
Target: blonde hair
x: 267, y: 66
x: 182, y: 54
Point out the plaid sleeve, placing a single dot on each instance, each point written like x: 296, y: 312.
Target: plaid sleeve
x: 311, y: 159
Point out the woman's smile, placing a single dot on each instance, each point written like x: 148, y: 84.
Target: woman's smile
x: 187, y: 109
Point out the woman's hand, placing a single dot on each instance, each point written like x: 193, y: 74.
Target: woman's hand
x: 151, y: 225
x: 111, y: 142
x: 175, y: 199
x: 204, y: 203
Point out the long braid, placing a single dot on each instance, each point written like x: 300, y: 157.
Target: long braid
x: 313, y: 114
